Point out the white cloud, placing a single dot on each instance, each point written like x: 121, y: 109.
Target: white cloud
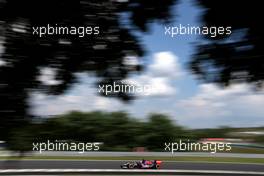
x: 19, y: 27
x: 70, y: 98
x: 47, y: 76
x: 102, y: 103
x: 81, y: 98
x: 131, y: 61
x: 2, y: 62
x: 237, y: 105
x: 159, y: 75
x: 154, y: 86
x: 165, y: 64
x: 1, y: 48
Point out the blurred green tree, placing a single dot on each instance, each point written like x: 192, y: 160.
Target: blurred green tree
x: 160, y: 129
x: 117, y: 130
x: 25, y: 55
x: 239, y: 57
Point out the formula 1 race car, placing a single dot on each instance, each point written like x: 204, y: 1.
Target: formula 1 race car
x: 144, y: 164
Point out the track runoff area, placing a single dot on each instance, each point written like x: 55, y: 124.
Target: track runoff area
x: 121, y: 171
x: 62, y: 167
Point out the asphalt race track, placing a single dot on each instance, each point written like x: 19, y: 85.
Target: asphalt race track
x: 72, y: 164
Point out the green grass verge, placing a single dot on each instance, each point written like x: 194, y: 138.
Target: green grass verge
x: 247, y: 150
x: 174, y: 158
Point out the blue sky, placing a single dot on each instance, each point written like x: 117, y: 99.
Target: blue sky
x: 186, y: 100
x: 184, y: 13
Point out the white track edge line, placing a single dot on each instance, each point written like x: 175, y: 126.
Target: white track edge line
x: 128, y: 171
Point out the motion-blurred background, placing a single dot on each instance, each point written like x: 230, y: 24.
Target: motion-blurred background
x: 205, y: 88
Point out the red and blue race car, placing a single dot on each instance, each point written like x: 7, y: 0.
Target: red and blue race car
x: 144, y: 164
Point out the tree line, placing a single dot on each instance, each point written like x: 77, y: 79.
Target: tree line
x: 118, y: 131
